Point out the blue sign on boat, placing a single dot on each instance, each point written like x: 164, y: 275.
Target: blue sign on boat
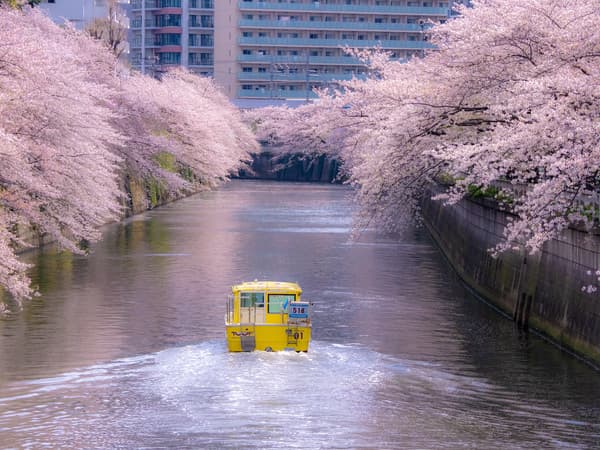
x: 298, y: 310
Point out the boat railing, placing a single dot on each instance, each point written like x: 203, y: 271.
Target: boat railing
x: 229, y: 309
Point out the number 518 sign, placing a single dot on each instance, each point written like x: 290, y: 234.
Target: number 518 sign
x: 298, y: 310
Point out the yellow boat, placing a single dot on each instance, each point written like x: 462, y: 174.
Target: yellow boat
x: 267, y: 315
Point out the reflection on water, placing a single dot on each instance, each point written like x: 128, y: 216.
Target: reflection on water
x: 126, y: 347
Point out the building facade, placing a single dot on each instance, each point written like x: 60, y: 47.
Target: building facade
x: 283, y: 49
x: 276, y: 50
x: 167, y: 33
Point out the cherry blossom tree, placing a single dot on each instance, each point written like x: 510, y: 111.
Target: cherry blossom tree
x: 181, y: 118
x: 532, y: 76
x: 57, y: 172
x: 74, y: 123
x: 508, y: 99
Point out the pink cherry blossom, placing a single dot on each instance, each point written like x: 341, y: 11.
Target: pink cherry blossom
x: 509, y: 99
x: 74, y: 123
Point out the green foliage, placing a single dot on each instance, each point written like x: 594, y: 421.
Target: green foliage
x: 475, y: 191
x: 157, y: 191
x: 187, y: 174
x: 162, y: 133
x: 166, y: 161
x: 590, y: 211
x: 445, y: 178
x: 492, y: 192
x: 19, y: 3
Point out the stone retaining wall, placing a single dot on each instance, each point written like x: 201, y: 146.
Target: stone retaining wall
x: 543, y: 291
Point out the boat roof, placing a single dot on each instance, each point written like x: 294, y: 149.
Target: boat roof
x: 280, y: 286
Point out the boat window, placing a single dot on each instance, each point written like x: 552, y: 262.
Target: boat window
x: 279, y: 302
x: 248, y: 299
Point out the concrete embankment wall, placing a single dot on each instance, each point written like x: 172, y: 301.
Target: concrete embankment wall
x: 542, y: 291
x: 269, y: 166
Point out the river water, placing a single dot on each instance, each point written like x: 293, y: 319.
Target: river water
x: 126, y: 348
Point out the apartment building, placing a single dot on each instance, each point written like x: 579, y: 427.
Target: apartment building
x: 167, y: 33
x: 276, y: 50
x: 283, y: 49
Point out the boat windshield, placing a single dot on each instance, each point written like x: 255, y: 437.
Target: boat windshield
x: 280, y: 302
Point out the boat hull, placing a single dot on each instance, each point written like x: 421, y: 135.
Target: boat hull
x: 267, y: 337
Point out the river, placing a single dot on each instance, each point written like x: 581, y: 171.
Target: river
x: 125, y: 348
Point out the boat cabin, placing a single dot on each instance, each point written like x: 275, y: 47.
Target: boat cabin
x: 267, y: 315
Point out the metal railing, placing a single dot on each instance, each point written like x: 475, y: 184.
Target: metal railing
x: 300, y: 76
x: 301, y: 59
x: 335, y: 43
x: 344, y: 8
x: 323, y: 25
x: 264, y: 93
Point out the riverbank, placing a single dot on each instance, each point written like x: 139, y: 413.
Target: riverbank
x: 541, y: 291
x: 141, y: 194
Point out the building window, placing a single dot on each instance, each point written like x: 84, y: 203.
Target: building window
x: 169, y: 3
x: 168, y: 20
x: 169, y: 58
x: 168, y: 39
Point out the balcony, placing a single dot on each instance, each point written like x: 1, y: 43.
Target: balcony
x: 136, y: 24
x: 334, y: 43
x: 200, y: 61
x: 169, y: 10
x: 150, y: 43
x: 202, y: 22
x: 169, y: 49
x: 168, y: 3
x: 276, y: 93
x: 167, y: 21
x: 202, y: 4
x: 428, y: 11
x: 342, y: 26
x: 168, y: 39
x: 299, y: 77
x: 302, y: 59
x: 148, y: 4
x: 197, y: 41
